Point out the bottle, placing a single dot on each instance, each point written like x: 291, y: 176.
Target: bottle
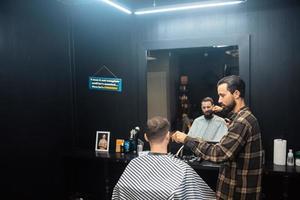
x: 139, y: 148
x: 126, y: 146
x: 290, y: 158
x: 297, y: 158
x: 132, y: 145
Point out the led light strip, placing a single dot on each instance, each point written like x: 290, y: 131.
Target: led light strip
x: 187, y: 6
x: 117, y: 6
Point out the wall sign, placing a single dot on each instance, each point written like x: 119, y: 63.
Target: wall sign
x: 104, y: 83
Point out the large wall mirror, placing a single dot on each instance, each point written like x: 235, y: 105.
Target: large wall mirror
x: 175, y: 75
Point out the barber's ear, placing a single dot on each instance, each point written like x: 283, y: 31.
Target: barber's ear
x: 146, y: 138
x: 236, y: 94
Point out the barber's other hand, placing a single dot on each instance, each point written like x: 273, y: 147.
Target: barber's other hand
x: 227, y: 121
x: 179, y: 137
x: 217, y: 109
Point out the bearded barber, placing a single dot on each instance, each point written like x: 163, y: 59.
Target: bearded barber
x: 239, y: 152
x: 209, y: 126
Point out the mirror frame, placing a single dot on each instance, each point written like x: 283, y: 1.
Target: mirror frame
x: 243, y: 43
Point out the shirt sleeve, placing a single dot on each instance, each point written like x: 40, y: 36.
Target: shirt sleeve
x: 226, y: 149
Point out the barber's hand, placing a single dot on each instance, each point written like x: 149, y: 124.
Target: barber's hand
x: 179, y: 137
x: 217, y: 109
x: 227, y: 121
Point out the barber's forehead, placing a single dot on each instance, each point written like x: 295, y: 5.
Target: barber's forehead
x: 223, y: 86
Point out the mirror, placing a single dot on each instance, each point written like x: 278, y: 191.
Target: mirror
x: 176, y: 51
x: 178, y: 79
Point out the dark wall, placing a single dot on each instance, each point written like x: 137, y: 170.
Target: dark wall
x: 274, y: 49
x: 35, y: 99
x: 102, y: 36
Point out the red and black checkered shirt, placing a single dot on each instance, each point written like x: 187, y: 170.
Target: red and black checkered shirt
x: 240, y: 154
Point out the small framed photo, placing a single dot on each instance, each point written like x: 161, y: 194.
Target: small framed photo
x: 102, y: 141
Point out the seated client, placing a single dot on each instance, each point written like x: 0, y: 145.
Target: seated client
x: 209, y: 126
x: 159, y: 175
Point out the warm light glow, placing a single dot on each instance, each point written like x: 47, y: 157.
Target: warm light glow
x: 187, y: 6
x: 117, y: 6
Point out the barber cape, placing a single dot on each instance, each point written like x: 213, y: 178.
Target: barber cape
x: 209, y: 129
x: 157, y: 176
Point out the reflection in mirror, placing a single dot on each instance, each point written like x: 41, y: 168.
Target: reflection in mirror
x: 178, y: 79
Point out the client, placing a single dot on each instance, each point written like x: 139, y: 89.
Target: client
x: 209, y: 126
x: 159, y: 175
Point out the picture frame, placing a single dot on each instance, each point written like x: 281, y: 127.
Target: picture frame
x: 102, y: 141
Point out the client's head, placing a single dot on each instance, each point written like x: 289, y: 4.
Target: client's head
x: 157, y: 133
x: 207, y: 105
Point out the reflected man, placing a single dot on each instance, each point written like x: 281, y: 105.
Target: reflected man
x: 209, y: 126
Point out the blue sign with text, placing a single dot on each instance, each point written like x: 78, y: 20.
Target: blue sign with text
x: 107, y: 84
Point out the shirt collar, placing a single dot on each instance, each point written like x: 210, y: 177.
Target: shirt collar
x: 232, y: 115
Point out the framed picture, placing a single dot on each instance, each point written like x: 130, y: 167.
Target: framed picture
x: 102, y: 141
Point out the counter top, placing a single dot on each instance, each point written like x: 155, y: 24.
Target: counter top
x: 269, y: 168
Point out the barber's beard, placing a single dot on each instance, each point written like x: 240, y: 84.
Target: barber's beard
x: 229, y: 108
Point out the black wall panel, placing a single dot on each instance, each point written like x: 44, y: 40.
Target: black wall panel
x: 102, y: 36
x: 35, y: 99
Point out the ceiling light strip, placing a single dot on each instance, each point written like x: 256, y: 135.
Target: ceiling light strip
x: 186, y: 7
x: 119, y: 7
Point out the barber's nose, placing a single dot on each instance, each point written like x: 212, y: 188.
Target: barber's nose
x: 220, y: 100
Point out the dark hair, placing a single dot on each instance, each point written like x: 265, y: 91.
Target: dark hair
x: 157, y: 128
x: 208, y: 99
x: 234, y: 83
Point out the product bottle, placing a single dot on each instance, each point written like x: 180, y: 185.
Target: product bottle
x: 297, y: 158
x: 290, y: 158
x: 126, y: 146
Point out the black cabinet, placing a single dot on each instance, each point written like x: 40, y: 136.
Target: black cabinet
x: 93, y: 176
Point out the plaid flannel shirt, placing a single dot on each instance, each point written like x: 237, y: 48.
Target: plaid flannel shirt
x: 240, y: 154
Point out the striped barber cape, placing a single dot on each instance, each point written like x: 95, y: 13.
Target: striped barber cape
x: 158, y: 176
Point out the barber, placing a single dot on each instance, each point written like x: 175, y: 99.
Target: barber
x: 239, y: 151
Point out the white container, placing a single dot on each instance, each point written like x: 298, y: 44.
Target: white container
x: 290, y: 158
x: 279, y: 156
x: 297, y: 158
x: 139, y: 148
